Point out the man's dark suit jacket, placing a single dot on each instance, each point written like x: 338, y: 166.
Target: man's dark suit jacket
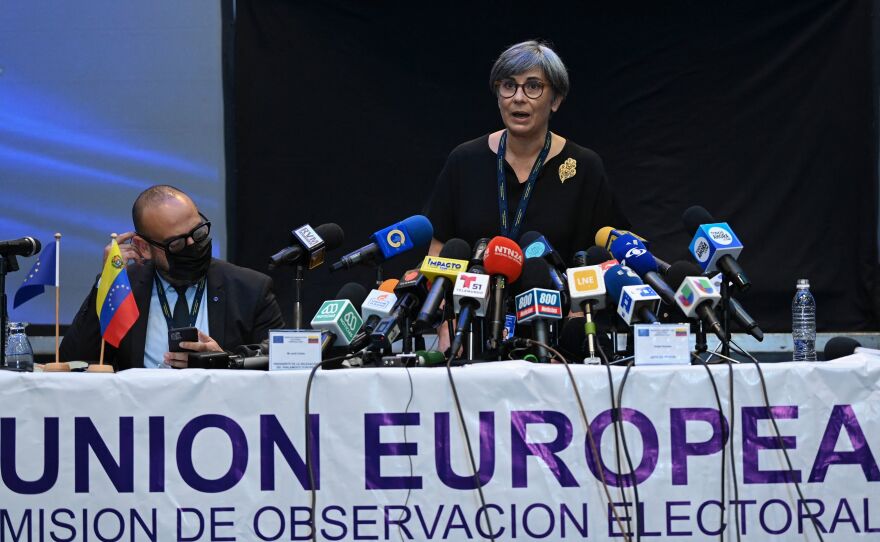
x: 241, y: 310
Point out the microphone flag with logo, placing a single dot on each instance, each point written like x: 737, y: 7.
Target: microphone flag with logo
x: 43, y: 273
x: 117, y: 309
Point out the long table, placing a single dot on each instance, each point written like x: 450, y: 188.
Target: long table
x: 220, y: 455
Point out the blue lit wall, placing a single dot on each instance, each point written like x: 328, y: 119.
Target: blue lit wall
x: 99, y: 99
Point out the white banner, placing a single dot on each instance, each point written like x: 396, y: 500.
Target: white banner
x: 218, y: 455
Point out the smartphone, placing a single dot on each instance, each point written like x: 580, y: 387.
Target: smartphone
x: 181, y: 334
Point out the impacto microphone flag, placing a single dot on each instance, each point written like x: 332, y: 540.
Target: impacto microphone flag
x: 43, y: 273
x: 117, y: 310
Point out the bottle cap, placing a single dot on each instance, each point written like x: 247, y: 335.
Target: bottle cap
x: 803, y: 283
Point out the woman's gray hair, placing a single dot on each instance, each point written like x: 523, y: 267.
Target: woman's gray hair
x: 525, y: 56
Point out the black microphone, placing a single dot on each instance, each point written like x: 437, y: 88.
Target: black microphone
x: 26, y: 246
x: 411, y: 292
x: 453, y: 261
x: 535, y: 245
x: 309, y: 246
x: 743, y: 318
x: 479, y: 253
x: 839, y: 347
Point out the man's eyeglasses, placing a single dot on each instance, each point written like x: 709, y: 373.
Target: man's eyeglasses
x: 532, y: 88
x: 176, y: 244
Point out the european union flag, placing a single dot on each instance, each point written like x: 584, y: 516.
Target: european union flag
x: 42, y: 274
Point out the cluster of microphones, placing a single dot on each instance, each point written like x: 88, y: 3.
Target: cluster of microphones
x: 489, y: 297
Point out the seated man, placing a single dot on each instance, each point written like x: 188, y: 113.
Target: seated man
x: 176, y: 283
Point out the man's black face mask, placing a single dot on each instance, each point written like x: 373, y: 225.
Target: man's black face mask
x: 190, y: 264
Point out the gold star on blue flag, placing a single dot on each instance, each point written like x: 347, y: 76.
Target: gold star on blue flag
x: 42, y: 274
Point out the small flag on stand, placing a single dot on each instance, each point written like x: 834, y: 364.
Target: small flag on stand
x: 117, y: 310
x: 43, y: 273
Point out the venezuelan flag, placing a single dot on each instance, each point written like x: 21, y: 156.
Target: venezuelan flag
x: 117, y: 309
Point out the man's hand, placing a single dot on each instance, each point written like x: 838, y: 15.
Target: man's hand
x: 179, y: 360
x: 129, y: 251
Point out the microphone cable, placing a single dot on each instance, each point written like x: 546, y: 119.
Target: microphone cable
x: 467, y: 441
x: 724, y: 436
x: 617, y: 427
x: 408, y: 456
x: 312, y: 491
x: 618, y: 420
x: 732, y: 428
x: 593, y: 448
x: 778, y: 435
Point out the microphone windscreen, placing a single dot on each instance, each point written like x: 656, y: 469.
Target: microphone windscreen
x: 642, y: 262
x: 388, y: 285
x: 597, y: 255
x: 535, y: 274
x: 420, y: 229
x: 456, y: 249
x: 839, y: 347
x: 332, y: 235
x: 602, y: 236
x: 528, y: 238
x: 353, y: 292
x: 694, y: 217
x: 503, y: 257
x: 571, y: 340
x: 679, y: 270
x: 616, y: 278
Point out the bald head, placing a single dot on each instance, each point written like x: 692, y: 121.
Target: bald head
x: 153, y: 199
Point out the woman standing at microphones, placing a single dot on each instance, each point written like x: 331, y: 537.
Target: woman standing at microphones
x: 524, y: 177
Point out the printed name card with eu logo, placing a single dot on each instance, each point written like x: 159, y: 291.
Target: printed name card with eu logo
x: 662, y: 344
x: 294, y: 349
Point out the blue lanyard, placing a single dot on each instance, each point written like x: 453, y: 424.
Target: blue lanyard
x: 166, y: 309
x: 506, y: 230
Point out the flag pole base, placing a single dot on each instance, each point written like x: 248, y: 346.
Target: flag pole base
x: 55, y: 367
x: 100, y: 369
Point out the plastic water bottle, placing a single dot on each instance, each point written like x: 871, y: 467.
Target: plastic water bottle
x: 803, y: 322
x: 19, y: 353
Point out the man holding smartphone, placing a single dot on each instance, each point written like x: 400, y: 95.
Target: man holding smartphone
x: 188, y: 300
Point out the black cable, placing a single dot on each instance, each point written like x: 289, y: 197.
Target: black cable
x: 408, y: 456
x: 614, y: 427
x: 724, y: 436
x: 313, y: 491
x: 779, y: 441
x: 629, y: 463
x: 593, y: 448
x: 732, y: 423
x: 467, y: 440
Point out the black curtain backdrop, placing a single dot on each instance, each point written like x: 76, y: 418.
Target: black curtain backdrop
x: 761, y: 112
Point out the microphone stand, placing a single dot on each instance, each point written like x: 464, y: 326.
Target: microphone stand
x: 379, y: 275
x: 589, y: 331
x: 8, y: 264
x: 725, y: 319
x: 406, y: 335
x: 298, y: 297
x: 701, y: 346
